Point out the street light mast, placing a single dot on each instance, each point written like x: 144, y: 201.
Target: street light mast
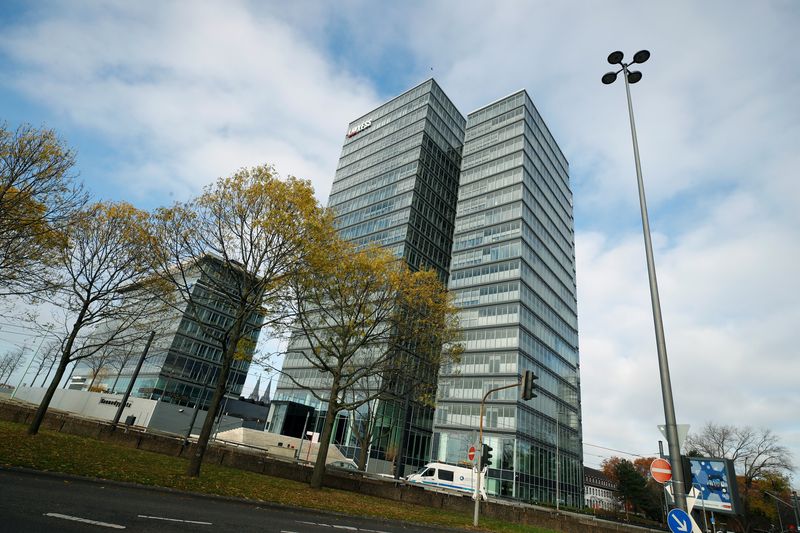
x: 616, y: 58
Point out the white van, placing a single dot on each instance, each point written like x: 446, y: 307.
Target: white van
x: 448, y: 477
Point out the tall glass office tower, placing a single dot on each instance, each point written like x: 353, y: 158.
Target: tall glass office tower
x: 513, y: 275
x: 395, y: 186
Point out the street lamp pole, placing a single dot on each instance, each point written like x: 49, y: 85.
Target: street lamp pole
x: 615, y: 58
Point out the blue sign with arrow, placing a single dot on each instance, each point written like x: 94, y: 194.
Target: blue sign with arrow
x: 678, y: 521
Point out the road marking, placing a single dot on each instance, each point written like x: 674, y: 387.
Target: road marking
x: 349, y: 528
x: 175, y: 520
x: 84, y: 520
x: 287, y: 531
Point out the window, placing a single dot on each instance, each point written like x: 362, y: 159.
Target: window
x: 429, y: 472
x: 446, y: 475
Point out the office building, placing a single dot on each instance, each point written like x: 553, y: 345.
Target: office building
x: 513, y: 274
x: 487, y: 203
x: 395, y: 186
x: 183, y: 361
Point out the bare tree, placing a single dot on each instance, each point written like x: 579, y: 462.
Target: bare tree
x: 38, y: 197
x: 97, y: 363
x: 759, y: 458
x: 106, y: 288
x: 10, y: 362
x: 755, y: 452
x: 238, y: 245
x: 362, y: 319
x: 46, y: 356
x: 119, y: 358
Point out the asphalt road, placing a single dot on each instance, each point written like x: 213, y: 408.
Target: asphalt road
x: 32, y: 502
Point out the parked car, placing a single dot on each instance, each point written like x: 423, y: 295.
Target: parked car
x: 344, y: 465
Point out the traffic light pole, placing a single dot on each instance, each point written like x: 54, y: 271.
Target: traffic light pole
x: 480, y: 451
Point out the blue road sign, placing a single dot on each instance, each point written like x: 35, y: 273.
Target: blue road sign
x: 678, y: 521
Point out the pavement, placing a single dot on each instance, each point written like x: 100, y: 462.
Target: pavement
x: 33, y: 501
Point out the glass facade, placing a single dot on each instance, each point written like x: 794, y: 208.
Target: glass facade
x: 184, y: 361
x: 395, y: 186
x: 513, y: 276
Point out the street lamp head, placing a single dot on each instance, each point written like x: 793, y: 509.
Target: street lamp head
x: 634, y: 76
x: 641, y: 56
x: 615, y: 58
x: 609, y: 78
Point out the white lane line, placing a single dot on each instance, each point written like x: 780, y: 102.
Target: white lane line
x: 175, y: 520
x: 287, y: 531
x: 349, y: 528
x: 84, y: 520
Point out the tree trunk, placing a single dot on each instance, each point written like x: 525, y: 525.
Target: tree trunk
x: 48, y: 372
x: 36, y: 375
x: 205, y: 434
x: 324, y: 442
x: 66, y: 383
x: 363, y: 454
x: 114, y: 386
x: 94, y: 377
x: 38, y: 418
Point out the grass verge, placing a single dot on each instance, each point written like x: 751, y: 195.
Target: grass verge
x: 70, y: 454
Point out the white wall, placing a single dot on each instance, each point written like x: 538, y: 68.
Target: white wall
x: 90, y: 404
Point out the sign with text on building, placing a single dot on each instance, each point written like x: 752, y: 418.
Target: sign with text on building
x: 358, y: 129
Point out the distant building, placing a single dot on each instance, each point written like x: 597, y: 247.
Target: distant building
x: 598, y: 490
x: 183, y: 364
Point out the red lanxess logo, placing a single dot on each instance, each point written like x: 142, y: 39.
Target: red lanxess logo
x: 358, y: 129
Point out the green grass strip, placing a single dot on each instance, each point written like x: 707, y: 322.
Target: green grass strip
x: 70, y: 454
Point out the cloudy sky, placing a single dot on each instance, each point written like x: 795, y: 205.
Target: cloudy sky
x: 160, y: 98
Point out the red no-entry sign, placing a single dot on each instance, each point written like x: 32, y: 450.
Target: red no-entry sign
x: 661, y: 470
x: 471, y: 453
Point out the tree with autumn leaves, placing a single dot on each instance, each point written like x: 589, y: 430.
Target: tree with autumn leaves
x: 246, y: 238
x: 101, y: 286
x: 39, y: 195
x: 263, y: 245
x: 367, y: 325
x: 638, y: 492
x: 762, y: 464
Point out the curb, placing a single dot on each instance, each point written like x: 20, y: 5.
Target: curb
x: 217, y: 497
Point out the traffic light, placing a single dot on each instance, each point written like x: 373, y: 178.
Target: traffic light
x: 528, y: 385
x: 486, y: 456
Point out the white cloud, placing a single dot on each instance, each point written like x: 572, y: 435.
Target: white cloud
x: 188, y: 95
